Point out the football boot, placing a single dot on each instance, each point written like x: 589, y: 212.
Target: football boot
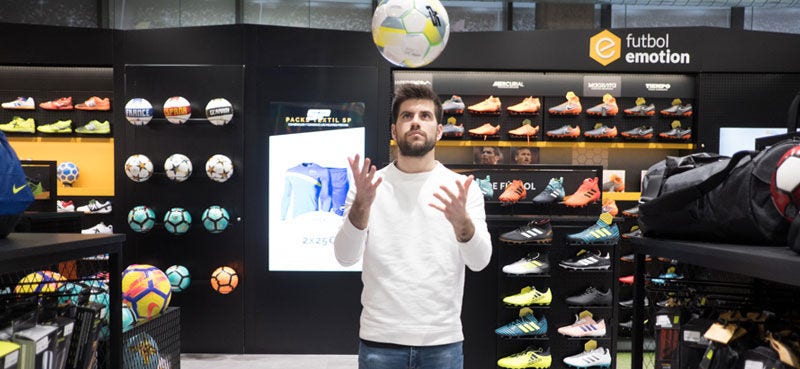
x: 453, y: 105
x: 485, y: 130
x: 525, y: 326
x: 587, y: 193
x: 452, y: 130
x: 641, y: 109
x: 677, y: 109
x: 554, y: 192
x: 95, y: 103
x: 632, y: 212
x: 529, y: 105
x: 536, y: 358
x: 566, y: 131
x: 95, y: 127
x: 514, y: 192
x: 489, y: 106
x: 533, y: 263
x: 599, y: 357
x: 485, y: 185
x: 526, y: 130
x: 570, y: 107
x: 587, y: 260
x: 638, y: 133
x: 610, y: 206
x: 677, y: 132
x: 584, y: 327
x: 536, y: 231
x: 603, y: 232
x: 61, y: 126
x: 591, y: 297
x: 614, y: 184
x: 529, y: 296
x: 607, y: 108
x: 601, y: 131
x: 64, y: 103
x: 18, y: 124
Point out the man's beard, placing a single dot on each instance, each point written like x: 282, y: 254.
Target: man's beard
x: 418, y: 150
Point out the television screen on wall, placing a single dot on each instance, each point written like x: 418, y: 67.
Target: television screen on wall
x: 309, y: 179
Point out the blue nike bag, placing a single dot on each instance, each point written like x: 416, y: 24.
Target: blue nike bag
x: 15, y: 194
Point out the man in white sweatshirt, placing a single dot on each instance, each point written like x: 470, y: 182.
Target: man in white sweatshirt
x: 416, y: 224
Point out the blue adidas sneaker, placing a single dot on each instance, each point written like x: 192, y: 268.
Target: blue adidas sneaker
x: 554, y: 192
x: 601, y: 233
x: 526, y: 325
x: 485, y: 186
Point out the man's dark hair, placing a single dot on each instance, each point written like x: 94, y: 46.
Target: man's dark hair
x: 408, y: 91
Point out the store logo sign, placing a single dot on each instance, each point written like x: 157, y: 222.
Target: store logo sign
x: 605, y: 47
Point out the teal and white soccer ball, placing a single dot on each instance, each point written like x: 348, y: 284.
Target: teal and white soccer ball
x: 67, y: 172
x: 410, y: 33
x: 178, y: 167
x: 141, y: 219
x: 219, y: 168
x: 128, y: 317
x: 215, y: 219
x: 177, y: 221
x: 179, y: 278
x: 138, y: 168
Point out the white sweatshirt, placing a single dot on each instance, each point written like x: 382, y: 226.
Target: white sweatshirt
x: 413, y: 268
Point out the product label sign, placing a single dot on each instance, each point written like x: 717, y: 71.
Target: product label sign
x: 601, y: 85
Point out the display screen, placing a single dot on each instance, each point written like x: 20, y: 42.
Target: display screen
x: 309, y: 179
x: 733, y: 139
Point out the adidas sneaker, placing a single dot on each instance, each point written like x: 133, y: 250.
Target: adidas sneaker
x: 554, y: 192
x: 536, y: 231
x: 603, y: 232
x: 529, y: 296
x: 64, y: 206
x: 537, y: 358
x: 21, y: 103
x: 599, y: 357
x: 587, y: 260
x: 99, y: 228
x: 533, y: 263
x: 526, y: 325
x: 591, y: 297
x: 584, y: 327
x: 95, y: 207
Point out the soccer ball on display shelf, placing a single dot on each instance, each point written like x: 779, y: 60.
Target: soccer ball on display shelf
x: 785, y: 184
x: 177, y: 110
x: 410, y: 33
x: 67, y: 172
x: 138, y: 111
x: 138, y: 168
x: 178, y: 167
x: 215, y: 219
x: 219, y: 168
x: 141, y: 219
x: 179, y: 277
x: 224, y: 280
x: 219, y: 111
x: 177, y: 221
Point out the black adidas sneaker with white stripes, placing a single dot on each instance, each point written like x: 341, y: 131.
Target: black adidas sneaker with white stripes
x: 536, y: 231
x: 587, y: 260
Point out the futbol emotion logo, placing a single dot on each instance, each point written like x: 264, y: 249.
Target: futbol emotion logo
x: 605, y: 47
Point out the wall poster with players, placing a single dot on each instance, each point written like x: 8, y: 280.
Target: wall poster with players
x: 308, y: 181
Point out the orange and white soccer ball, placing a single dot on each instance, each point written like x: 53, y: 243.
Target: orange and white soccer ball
x: 177, y: 110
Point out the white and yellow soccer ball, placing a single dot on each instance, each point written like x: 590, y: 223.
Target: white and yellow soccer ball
x: 410, y: 33
x: 138, y: 168
x: 219, y: 168
x: 178, y: 167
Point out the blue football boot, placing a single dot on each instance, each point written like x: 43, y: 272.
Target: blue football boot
x: 601, y: 233
x: 526, y: 325
x: 486, y: 187
x: 554, y: 192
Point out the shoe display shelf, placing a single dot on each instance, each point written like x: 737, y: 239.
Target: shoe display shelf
x: 561, y: 282
x: 76, y: 258
x: 768, y: 263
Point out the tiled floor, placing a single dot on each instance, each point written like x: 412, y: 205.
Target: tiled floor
x: 217, y: 361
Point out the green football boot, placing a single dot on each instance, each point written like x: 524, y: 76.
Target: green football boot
x: 18, y: 124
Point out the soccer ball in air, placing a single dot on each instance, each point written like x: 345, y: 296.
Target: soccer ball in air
x: 785, y: 185
x: 177, y: 110
x: 177, y: 221
x: 141, y: 219
x: 138, y: 111
x: 67, y: 172
x: 224, y: 280
x: 138, y: 168
x: 146, y: 289
x: 179, y: 277
x: 215, y: 219
x: 219, y: 168
x: 43, y: 281
x: 410, y: 33
x: 178, y: 167
x: 219, y: 111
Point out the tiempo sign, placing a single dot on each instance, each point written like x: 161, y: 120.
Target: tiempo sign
x: 606, y: 47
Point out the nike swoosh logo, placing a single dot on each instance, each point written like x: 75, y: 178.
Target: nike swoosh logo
x: 17, y: 189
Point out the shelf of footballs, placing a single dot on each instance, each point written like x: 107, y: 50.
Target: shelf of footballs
x: 554, y: 284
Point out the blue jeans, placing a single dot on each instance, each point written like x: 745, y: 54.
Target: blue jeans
x: 386, y: 356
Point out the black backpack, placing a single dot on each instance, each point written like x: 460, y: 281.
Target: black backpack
x: 707, y: 197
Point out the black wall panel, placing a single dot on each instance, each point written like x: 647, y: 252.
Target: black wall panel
x: 56, y: 46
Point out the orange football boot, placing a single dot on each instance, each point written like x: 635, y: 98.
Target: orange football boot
x: 570, y: 107
x: 526, y: 130
x: 485, y: 130
x: 94, y: 103
x: 64, y: 103
x: 610, y: 206
x: 607, y: 108
x: 514, y: 192
x: 587, y: 193
x: 489, y: 106
x: 529, y: 105
x: 567, y: 131
x: 615, y: 184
